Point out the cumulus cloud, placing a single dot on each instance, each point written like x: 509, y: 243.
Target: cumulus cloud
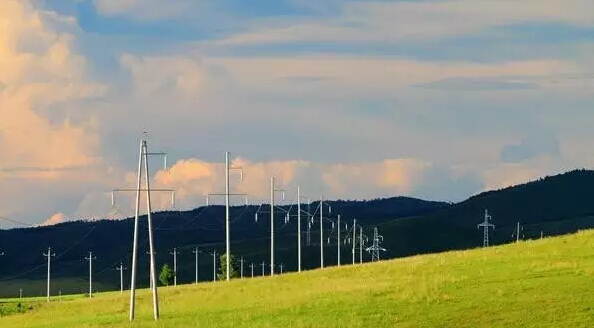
x: 54, y: 219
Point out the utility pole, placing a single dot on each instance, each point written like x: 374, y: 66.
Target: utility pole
x: 143, y: 164
x: 338, y: 241
x: 298, y: 229
x: 272, y: 191
x: 360, y: 245
x: 263, y: 264
x: 517, y: 232
x: 321, y: 233
x: 486, y: 225
x: 195, y: 251
x: 241, y: 267
x: 214, y: 265
x: 281, y: 268
x: 121, y: 269
x: 228, y: 169
x: 49, y: 263
x: 354, y: 240
x: 150, y: 278
x: 252, y: 267
x: 174, y: 253
x: 376, y: 248
x: 20, y: 293
x: 309, y: 223
x: 90, y: 259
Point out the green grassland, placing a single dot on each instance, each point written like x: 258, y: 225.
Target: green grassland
x: 540, y: 283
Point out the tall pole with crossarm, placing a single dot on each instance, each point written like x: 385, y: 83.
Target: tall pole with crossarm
x: 228, y: 169
x: 49, y: 263
x: 143, y: 166
x: 90, y: 259
x: 273, y: 189
x: 121, y: 269
x: 196, y: 251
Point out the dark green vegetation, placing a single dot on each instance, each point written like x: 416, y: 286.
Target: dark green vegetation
x: 166, y: 275
x: 540, y: 283
x: 553, y: 205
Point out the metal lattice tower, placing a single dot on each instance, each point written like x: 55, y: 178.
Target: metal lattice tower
x: 376, y: 248
x: 486, y: 225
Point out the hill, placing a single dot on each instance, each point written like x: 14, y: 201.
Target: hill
x: 552, y: 206
x: 549, y: 206
x: 542, y: 283
x: 24, y: 266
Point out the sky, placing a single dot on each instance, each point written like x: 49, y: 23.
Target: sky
x: 436, y: 99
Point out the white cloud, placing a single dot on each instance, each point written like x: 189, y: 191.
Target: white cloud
x: 54, y: 219
x: 378, y: 21
x: 147, y: 9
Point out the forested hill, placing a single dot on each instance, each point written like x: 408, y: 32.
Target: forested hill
x: 110, y: 240
x: 549, y: 206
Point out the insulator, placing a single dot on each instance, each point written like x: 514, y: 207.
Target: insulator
x: 328, y: 240
x: 332, y: 225
x: 256, y: 217
x: 329, y: 209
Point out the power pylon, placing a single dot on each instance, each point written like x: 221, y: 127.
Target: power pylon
x: 486, y: 225
x: 376, y: 248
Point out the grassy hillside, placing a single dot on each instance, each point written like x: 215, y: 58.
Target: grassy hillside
x: 540, y: 283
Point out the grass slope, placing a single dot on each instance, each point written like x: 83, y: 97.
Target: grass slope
x: 541, y: 283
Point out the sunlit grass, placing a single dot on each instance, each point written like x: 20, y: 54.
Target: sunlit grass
x: 543, y: 283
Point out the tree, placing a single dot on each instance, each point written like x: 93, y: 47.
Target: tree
x: 166, y: 275
x: 234, y: 272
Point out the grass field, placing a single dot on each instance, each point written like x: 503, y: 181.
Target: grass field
x: 542, y: 283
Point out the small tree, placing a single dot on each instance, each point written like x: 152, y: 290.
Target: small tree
x: 234, y: 272
x: 166, y: 275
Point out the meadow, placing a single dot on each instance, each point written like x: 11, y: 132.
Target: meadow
x: 539, y: 283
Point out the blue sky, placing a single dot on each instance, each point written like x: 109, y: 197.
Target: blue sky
x: 350, y: 99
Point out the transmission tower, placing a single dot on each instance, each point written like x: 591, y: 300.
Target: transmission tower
x: 486, y: 225
x: 49, y: 263
x: 90, y: 259
x: 376, y: 248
